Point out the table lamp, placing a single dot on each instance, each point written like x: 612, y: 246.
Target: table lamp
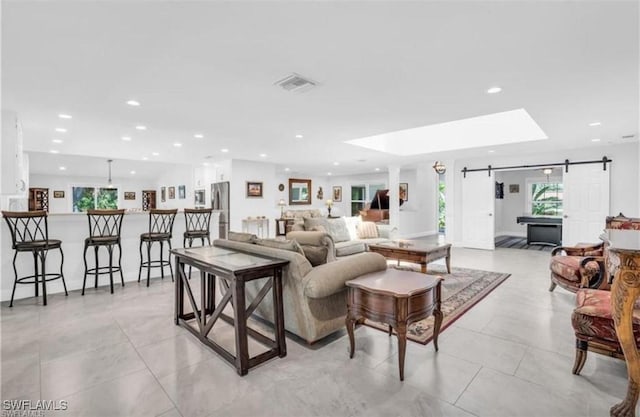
x: 329, y: 204
x: 282, y: 203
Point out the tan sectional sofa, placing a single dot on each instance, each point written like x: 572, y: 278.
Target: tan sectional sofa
x: 314, y: 297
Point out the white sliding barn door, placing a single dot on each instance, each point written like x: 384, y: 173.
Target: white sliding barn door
x: 478, y: 205
x: 585, y: 203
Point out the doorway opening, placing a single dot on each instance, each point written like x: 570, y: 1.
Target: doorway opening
x: 442, y: 216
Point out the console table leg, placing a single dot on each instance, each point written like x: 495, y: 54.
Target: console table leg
x: 350, y: 323
x: 401, y: 330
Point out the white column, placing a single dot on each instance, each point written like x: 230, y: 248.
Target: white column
x: 394, y: 196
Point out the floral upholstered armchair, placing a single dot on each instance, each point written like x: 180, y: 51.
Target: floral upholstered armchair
x: 575, y: 267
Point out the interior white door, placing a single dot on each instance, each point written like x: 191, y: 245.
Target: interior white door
x: 585, y: 203
x: 478, y: 206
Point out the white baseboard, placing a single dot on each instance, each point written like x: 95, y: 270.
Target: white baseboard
x: 510, y: 233
x: 419, y: 234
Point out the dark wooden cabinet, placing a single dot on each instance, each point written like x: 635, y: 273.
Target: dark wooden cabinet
x: 38, y: 199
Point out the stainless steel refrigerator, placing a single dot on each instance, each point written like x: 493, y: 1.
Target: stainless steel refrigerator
x: 220, y: 202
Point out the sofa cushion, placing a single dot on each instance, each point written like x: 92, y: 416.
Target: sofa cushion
x: 336, y: 228
x: 242, y: 237
x: 352, y: 226
x: 290, y: 245
x: 568, y: 267
x: 349, y: 247
x: 297, y: 227
x: 367, y: 230
x: 328, y: 279
x: 316, y: 255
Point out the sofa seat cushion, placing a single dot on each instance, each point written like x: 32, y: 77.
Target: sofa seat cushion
x: 328, y: 279
x: 373, y: 241
x: 568, y: 267
x: 349, y: 247
x: 592, y: 316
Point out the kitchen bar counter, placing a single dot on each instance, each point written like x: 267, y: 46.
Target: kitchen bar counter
x: 72, y: 229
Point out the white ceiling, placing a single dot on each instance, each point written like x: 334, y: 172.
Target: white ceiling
x: 209, y: 67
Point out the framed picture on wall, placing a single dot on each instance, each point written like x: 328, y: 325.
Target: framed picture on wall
x: 514, y: 188
x: 172, y: 193
x: 58, y: 194
x: 337, y: 194
x: 129, y: 195
x: 182, y: 192
x: 163, y: 194
x: 198, y: 198
x: 404, y: 191
x: 254, y: 189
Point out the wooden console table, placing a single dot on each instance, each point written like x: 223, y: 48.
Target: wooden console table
x: 397, y: 298
x: 234, y: 269
x: 624, y: 261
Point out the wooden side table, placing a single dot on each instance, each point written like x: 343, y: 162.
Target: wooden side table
x: 397, y: 298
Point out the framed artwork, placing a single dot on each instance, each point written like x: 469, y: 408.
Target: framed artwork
x: 404, y: 191
x: 58, y: 194
x: 337, y: 194
x: 254, y: 189
x: 514, y: 188
x: 182, y: 192
x: 172, y: 193
x: 163, y: 194
x: 129, y: 195
x: 199, y: 198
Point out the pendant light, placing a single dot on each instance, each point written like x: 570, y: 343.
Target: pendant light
x: 109, y: 184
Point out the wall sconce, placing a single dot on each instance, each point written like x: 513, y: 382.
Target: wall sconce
x: 439, y: 167
x: 282, y: 203
x: 547, y: 172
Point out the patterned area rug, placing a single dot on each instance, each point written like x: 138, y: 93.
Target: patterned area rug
x: 461, y: 290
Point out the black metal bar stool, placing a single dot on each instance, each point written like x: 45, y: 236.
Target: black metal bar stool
x: 160, y: 229
x: 197, y: 223
x: 104, y: 230
x: 30, y: 233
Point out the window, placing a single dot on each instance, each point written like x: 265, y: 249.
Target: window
x: 86, y: 198
x: 361, y: 195
x: 545, y: 198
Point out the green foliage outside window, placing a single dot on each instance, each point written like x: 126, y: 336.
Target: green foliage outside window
x: 107, y: 198
x: 441, y: 206
x: 86, y: 198
x: 546, y: 199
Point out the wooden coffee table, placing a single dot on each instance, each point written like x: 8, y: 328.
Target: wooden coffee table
x: 417, y: 252
x: 397, y: 298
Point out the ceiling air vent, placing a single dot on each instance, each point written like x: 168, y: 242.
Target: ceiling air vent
x: 296, y: 83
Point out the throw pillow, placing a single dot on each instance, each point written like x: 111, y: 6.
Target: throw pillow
x: 367, y: 230
x: 338, y: 230
x: 352, y: 226
x: 316, y: 255
x: 290, y: 245
x: 297, y: 227
x: 242, y: 237
x: 310, y: 223
x: 319, y: 229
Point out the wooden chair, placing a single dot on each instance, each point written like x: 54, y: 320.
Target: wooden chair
x: 160, y: 230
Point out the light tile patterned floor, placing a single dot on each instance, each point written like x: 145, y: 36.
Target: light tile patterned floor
x: 121, y: 355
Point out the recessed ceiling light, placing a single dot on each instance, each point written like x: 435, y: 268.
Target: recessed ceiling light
x: 126, y: 138
x: 377, y: 169
x: 144, y: 158
x: 287, y: 169
x: 328, y: 173
x: 64, y: 116
x: 198, y: 136
x: 57, y: 141
x: 595, y: 140
x: 263, y: 155
x: 224, y: 150
x: 141, y: 127
x: 594, y: 124
x: 62, y: 168
x: 133, y: 172
x: 336, y: 163
x: 299, y: 136
x: 133, y: 103
x: 491, y: 151
x: 205, y: 164
x: 54, y: 151
x: 155, y: 153
x: 61, y: 130
x: 494, y: 90
x: 177, y: 144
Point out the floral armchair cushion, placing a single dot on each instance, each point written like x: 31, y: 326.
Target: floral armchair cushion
x: 568, y: 267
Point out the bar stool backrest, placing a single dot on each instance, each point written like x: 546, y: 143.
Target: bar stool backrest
x: 105, y: 223
x: 197, y: 220
x: 161, y: 221
x: 26, y: 226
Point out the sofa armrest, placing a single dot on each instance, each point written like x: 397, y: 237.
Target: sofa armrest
x: 386, y: 231
x: 328, y: 279
x: 315, y: 239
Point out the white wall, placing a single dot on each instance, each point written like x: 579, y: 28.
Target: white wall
x: 624, y: 175
x: 66, y: 182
